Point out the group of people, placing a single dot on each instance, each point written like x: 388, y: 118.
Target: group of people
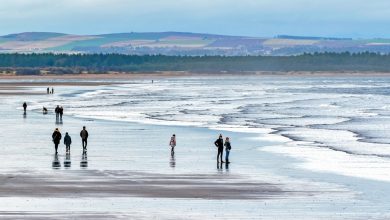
x: 219, y: 143
x: 57, y: 136
x: 50, y: 91
x: 59, y: 110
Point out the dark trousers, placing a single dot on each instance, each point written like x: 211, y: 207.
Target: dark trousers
x: 67, y: 147
x: 84, y: 141
x: 220, y: 154
x: 227, y: 156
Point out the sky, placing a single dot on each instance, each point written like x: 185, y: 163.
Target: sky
x: 258, y: 18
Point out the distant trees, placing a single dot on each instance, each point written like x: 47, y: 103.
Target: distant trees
x: 77, y: 63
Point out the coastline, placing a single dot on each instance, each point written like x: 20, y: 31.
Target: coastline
x: 173, y: 74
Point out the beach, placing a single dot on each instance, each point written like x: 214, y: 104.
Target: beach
x: 128, y: 171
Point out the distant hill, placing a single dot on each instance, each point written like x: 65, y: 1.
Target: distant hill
x: 181, y: 43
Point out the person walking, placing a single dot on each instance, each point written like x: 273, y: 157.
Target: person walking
x: 61, y: 112
x: 56, y: 138
x: 172, y: 143
x: 67, y: 142
x: 219, y: 144
x: 24, y: 106
x: 228, y: 147
x: 57, y: 111
x: 84, y: 138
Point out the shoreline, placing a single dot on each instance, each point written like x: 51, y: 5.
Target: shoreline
x: 176, y: 74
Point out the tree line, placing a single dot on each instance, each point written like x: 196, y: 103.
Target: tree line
x: 33, y: 63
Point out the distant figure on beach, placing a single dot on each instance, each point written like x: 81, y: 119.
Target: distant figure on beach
x: 152, y: 81
x: 228, y: 147
x: 44, y: 110
x: 172, y: 143
x: 219, y: 144
x: 48, y: 90
x: 24, y: 106
x: 57, y: 111
x: 67, y: 142
x: 61, y: 112
x: 52, y: 90
x: 56, y: 138
x: 84, y: 137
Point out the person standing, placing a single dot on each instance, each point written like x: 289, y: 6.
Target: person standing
x: 172, y: 143
x: 56, y: 138
x: 24, y: 106
x: 57, y: 111
x: 219, y: 144
x: 48, y: 90
x: 52, y: 90
x: 228, y: 147
x: 84, y: 138
x: 67, y: 142
x: 61, y: 112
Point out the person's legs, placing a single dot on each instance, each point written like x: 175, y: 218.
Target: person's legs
x: 56, y: 147
x: 220, y: 154
x: 84, y: 144
x: 227, y: 156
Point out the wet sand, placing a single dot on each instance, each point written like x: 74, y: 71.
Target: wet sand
x: 136, y: 184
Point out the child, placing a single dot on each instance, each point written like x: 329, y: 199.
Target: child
x: 228, y: 147
x: 172, y: 143
x: 67, y: 142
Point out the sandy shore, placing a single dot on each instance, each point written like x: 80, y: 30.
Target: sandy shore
x: 131, y: 175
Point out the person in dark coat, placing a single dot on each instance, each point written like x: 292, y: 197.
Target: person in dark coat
x: 61, y: 112
x: 228, y: 147
x: 219, y: 144
x: 84, y: 137
x: 56, y: 138
x: 67, y: 142
x: 24, y: 106
x: 57, y: 111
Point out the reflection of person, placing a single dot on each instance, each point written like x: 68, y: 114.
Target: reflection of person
x: 228, y: 147
x: 84, y: 137
x: 67, y: 142
x: 56, y: 162
x: 84, y: 160
x: 24, y: 106
x: 172, y: 143
x: 56, y: 138
x: 219, y: 144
